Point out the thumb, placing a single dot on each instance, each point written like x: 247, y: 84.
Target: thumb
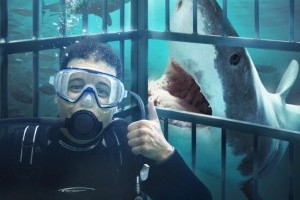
x: 152, y: 111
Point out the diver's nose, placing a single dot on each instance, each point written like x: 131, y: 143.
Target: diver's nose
x: 87, y: 100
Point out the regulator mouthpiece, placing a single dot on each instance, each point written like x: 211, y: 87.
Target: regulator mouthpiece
x: 84, y: 125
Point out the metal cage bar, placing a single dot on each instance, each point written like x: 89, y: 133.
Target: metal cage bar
x: 229, y: 124
x: 226, y: 41
x: 224, y: 18
x: 4, y: 20
x: 244, y: 127
x: 167, y: 15
x: 85, y: 18
x: 195, y: 17
x: 4, y: 84
x: 105, y: 16
x: 35, y: 19
x: 223, y: 164
x: 54, y: 43
x: 194, y: 145
x: 256, y: 18
x: 35, y: 59
x: 255, y: 167
x: 139, y: 53
x: 166, y: 128
x: 291, y: 170
x: 62, y: 18
x: 122, y: 14
x: 35, y: 83
x: 292, y: 21
x: 4, y: 58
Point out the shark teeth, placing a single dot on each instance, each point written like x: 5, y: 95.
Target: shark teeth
x: 177, y: 89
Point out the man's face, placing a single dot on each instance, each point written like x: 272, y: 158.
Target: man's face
x: 66, y: 109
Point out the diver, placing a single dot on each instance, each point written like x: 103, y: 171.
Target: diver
x: 94, y: 155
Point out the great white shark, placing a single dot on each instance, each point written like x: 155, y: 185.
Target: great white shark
x: 223, y: 81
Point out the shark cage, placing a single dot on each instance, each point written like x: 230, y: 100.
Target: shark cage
x: 210, y: 66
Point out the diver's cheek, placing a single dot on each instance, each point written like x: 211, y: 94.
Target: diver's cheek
x: 105, y: 115
x: 65, y: 109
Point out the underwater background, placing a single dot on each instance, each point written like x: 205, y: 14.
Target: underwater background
x: 271, y: 64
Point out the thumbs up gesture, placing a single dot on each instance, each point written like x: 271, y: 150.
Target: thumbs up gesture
x: 146, y: 138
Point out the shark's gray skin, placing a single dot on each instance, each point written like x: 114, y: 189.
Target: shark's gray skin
x: 223, y: 81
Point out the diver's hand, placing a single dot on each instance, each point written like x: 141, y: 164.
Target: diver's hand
x: 146, y: 138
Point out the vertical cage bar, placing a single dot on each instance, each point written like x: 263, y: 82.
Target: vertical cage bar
x: 139, y: 53
x: 4, y: 84
x: 62, y: 18
x: 4, y: 59
x: 195, y: 16
x: 166, y: 128
x: 122, y: 42
x: 122, y: 56
x: 35, y: 59
x: 255, y: 167
x: 4, y: 20
x: 194, y: 146
x: 167, y: 15
x: 292, y: 21
x: 291, y: 170
x: 85, y: 18
x: 122, y: 15
x: 224, y: 18
x: 104, y: 16
x: 35, y: 83
x: 134, y: 49
x: 35, y: 18
x: 256, y: 18
x: 223, y: 165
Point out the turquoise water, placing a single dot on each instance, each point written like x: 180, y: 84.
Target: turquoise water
x: 270, y: 63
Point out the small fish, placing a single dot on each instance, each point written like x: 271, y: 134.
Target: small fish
x: 21, y: 96
x: 23, y: 11
x: 16, y: 113
x: 47, y: 89
x: 15, y: 61
x: 52, y: 7
x: 15, y: 32
x: 19, y: 60
x: 47, y: 57
x: 48, y: 70
x: 13, y: 24
x: 266, y: 68
x: 54, y: 14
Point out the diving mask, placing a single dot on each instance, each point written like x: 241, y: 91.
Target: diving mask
x: 71, y: 84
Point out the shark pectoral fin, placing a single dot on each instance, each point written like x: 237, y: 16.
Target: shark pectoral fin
x: 288, y: 79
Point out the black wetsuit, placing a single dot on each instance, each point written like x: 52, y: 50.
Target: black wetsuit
x: 107, y: 171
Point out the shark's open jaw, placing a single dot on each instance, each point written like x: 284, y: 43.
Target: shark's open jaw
x: 178, y: 90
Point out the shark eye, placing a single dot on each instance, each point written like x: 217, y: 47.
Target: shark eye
x: 235, y: 59
x: 179, y: 5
